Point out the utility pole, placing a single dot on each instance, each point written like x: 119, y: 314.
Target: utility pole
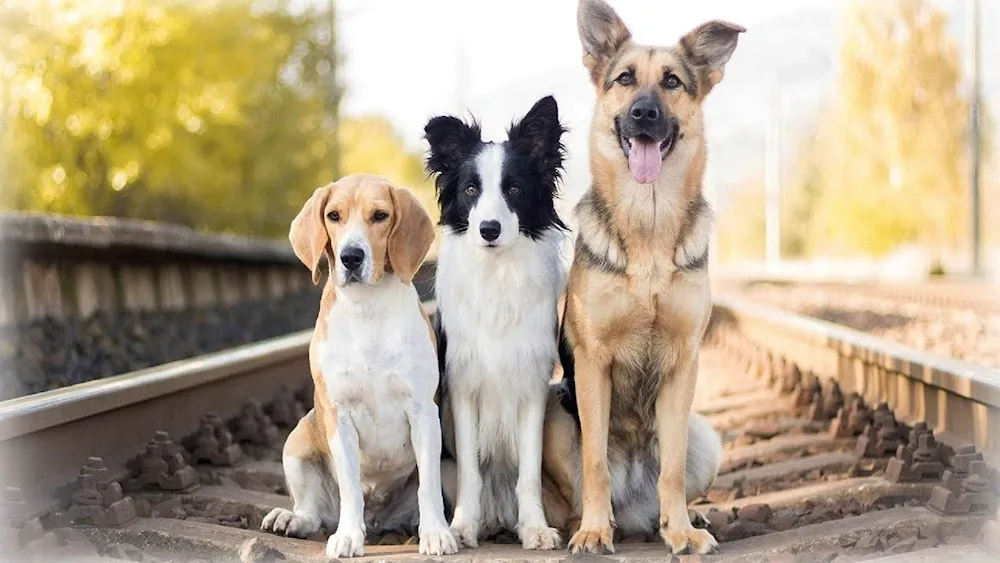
x: 974, y: 138
x: 772, y: 183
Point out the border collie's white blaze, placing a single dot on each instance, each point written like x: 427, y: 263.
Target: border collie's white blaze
x: 499, y: 275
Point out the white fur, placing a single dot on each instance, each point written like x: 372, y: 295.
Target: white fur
x: 498, y: 311
x: 491, y: 205
x: 354, y: 236
x: 380, y: 371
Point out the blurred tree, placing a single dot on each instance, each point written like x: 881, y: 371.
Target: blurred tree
x: 370, y: 144
x: 894, y: 152
x: 212, y: 113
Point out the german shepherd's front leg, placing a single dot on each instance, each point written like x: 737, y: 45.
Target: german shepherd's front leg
x: 593, y: 395
x: 673, y: 408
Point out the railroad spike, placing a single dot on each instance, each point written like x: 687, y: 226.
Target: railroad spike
x: 976, y: 494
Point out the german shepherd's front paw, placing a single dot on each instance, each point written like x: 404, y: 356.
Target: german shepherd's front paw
x: 687, y: 539
x: 599, y: 541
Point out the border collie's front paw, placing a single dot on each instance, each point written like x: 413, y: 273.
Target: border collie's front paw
x: 540, y: 538
x: 466, y: 533
x: 346, y: 543
x: 437, y: 540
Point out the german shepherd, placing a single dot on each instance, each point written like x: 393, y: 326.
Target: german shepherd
x: 638, y: 298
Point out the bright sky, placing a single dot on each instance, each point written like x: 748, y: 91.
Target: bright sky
x: 403, y: 56
x: 410, y: 60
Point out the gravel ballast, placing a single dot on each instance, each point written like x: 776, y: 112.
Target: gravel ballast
x: 48, y: 353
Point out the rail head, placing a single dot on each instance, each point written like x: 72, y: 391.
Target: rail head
x: 57, y: 237
x: 33, y: 413
x: 971, y: 381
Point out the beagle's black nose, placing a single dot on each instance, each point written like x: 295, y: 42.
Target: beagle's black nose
x: 489, y: 230
x: 352, y: 257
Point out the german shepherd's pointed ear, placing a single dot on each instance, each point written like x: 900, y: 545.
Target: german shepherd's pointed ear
x: 709, y: 47
x: 539, y: 135
x: 410, y: 236
x: 602, y: 34
x: 451, y: 141
x: 308, y: 233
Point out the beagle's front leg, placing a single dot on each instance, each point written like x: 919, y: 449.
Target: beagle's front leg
x: 465, y: 523
x: 349, y: 539
x: 425, y: 433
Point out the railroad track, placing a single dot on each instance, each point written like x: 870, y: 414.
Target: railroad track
x: 838, y: 446
x: 945, y: 294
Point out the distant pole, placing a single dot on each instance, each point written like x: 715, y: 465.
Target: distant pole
x: 974, y: 139
x: 772, y: 183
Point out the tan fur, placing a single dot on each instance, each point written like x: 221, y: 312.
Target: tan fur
x: 399, y: 244
x: 634, y: 320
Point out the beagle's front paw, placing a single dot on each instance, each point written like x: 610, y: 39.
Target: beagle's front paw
x: 347, y: 542
x: 437, y: 540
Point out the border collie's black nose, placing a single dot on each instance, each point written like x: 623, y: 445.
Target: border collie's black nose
x: 489, y: 230
x: 352, y: 257
x: 645, y: 109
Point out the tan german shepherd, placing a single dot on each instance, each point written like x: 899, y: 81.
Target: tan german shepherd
x: 638, y: 298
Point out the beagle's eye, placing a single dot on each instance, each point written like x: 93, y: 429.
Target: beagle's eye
x: 333, y: 216
x: 671, y: 82
x: 626, y: 78
x: 379, y: 216
x: 472, y: 190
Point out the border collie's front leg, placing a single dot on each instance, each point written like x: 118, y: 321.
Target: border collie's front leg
x: 532, y: 528
x: 425, y: 433
x: 466, y: 522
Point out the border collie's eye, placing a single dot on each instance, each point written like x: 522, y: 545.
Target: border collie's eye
x: 514, y: 189
x: 671, y: 82
x: 472, y: 190
x: 379, y: 216
x: 333, y: 216
x: 626, y: 78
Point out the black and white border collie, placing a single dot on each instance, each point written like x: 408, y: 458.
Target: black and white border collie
x: 499, y: 276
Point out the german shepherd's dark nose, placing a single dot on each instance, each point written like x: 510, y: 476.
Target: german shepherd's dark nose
x: 646, y: 118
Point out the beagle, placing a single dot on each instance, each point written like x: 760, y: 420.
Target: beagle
x: 367, y: 456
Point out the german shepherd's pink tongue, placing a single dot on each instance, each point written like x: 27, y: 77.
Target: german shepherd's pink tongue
x: 644, y: 160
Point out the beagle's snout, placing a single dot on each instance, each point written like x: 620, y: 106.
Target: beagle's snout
x: 352, y: 257
x: 489, y: 230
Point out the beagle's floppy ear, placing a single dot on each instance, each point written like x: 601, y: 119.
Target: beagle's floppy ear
x: 411, y: 235
x: 308, y: 232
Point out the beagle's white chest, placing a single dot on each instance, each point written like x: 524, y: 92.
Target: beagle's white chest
x: 377, y: 362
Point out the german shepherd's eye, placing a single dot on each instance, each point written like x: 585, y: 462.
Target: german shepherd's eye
x: 671, y: 82
x: 626, y: 78
x: 333, y: 216
x: 379, y: 216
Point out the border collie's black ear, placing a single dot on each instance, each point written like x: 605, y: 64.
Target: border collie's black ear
x: 539, y: 135
x: 451, y: 141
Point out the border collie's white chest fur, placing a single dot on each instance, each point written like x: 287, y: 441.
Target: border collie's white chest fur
x: 498, y: 310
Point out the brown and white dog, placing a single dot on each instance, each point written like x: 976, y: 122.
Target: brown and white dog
x: 372, y: 444
x: 638, y: 298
